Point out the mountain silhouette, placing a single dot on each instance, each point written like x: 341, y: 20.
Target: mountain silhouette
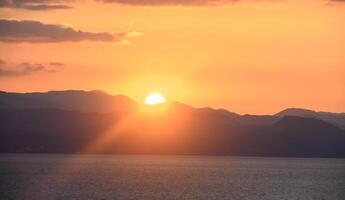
x: 337, y: 119
x: 95, y: 122
x: 92, y: 101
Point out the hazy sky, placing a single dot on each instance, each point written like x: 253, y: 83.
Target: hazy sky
x: 249, y: 56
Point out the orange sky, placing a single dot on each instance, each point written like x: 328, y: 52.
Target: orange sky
x: 255, y: 57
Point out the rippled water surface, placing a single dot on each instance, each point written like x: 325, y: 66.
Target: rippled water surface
x: 36, y: 176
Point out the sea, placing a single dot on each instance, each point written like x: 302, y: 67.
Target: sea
x: 155, y: 177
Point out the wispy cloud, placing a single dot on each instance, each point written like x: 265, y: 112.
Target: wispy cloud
x: 334, y: 2
x: 35, y: 4
x: 172, y: 2
x: 37, y: 32
x: 25, y: 68
x: 57, y: 64
x: 2, y: 62
x: 193, y: 3
x: 41, y: 5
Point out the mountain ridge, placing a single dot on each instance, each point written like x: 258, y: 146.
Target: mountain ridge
x: 287, y: 111
x: 29, y: 123
x: 337, y: 119
x: 100, y: 101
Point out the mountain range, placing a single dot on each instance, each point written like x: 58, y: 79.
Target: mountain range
x: 95, y: 122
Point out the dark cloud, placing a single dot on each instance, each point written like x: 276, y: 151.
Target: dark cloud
x: 26, y: 68
x: 2, y: 62
x: 34, y: 4
x: 57, y: 64
x: 194, y: 3
x: 37, y: 32
x: 62, y: 4
x: 172, y: 2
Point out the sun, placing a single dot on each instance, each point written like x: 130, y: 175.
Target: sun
x: 154, y: 98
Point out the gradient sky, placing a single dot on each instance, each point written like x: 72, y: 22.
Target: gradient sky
x: 249, y: 56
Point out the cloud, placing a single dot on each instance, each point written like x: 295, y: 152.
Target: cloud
x: 57, y: 64
x: 34, y: 4
x: 172, y: 2
x: 191, y: 3
x: 62, y: 4
x: 337, y: 1
x: 26, y: 68
x: 37, y: 32
x: 2, y: 62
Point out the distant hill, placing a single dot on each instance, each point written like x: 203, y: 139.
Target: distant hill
x: 91, y: 101
x: 337, y: 119
x: 62, y: 122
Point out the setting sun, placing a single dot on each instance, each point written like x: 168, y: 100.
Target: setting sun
x: 154, y: 98
x: 173, y: 99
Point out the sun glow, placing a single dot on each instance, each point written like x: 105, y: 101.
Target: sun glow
x: 154, y: 98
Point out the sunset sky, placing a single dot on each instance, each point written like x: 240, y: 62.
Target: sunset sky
x: 248, y: 56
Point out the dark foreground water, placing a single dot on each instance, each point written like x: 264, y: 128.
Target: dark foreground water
x: 29, y: 176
